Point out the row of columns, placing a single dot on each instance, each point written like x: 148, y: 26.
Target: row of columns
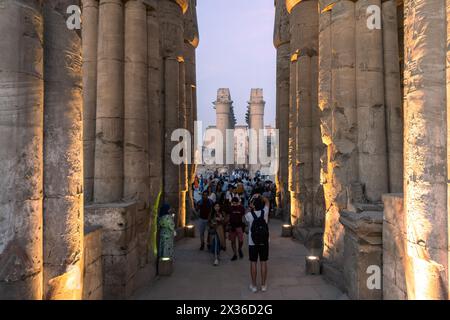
x: 41, y: 158
x: 49, y: 136
x: 361, y: 119
x: 345, y: 111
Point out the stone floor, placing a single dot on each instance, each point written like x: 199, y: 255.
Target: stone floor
x: 196, y: 278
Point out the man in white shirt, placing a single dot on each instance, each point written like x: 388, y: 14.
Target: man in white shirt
x: 259, y: 205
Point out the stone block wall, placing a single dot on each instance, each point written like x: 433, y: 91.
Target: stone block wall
x: 362, y: 254
x: 394, y: 255
x: 119, y: 247
x: 93, y: 267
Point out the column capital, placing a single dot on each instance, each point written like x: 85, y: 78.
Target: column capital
x: 191, y: 33
x: 281, y: 33
x: 184, y: 4
x: 290, y: 4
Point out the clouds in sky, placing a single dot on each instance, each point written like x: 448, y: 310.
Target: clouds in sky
x: 236, y: 51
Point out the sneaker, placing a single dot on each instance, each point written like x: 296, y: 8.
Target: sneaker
x: 253, y: 288
x: 241, y: 254
x: 216, y: 262
x: 202, y: 247
x: 234, y: 258
x: 264, y: 288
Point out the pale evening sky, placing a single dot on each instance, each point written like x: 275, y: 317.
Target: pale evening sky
x: 236, y: 51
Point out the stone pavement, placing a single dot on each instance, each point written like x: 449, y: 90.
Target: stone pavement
x: 196, y: 278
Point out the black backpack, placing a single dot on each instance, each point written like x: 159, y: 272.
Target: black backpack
x: 260, y: 229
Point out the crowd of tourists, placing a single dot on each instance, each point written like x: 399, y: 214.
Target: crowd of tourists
x: 230, y: 207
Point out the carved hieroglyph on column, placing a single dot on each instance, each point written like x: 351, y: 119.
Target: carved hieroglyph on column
x: 63, y: 156
x: 282, y: 44
x: 21, y: 152
x: 426, y: 148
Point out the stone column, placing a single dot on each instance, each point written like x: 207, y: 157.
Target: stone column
x: 393, y: 97
x: 136, y: 137
x: 304, y: 28
x: 170, y: 15
x: 282, y: 44
x: 21, y: 154
x: 223, y: 106
x: 372, y: 157
x: 191, y: 41
x: 292, y: 154
x: 89, y: 41
x: 171, y: 103
x: 136, y: 169
x: 108, y: 180
x: 337, y: 92
x: 426, y: 149
x: 155, y: 112
x: 63, y: 156
x: 182, y: 123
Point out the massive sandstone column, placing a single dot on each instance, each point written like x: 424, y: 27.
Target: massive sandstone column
x: 393, y: 96
x: 223, y: 106
x: 89, y: 40
x: 354, y: 104
x: 191, y: 41
x: 282, y: 44
x: 63, y: 156
x: 307, y: 202
x: 172, y: 39
x: 155, y: 107
x: 21, y: 152
x: 183, y: 167
x: 339, y: 121
x: 371, y: 123
x: 136, y: 169
x: 256, y: 107
x: 136, y: 176
x: 108, y: 180
x: 426, y: 147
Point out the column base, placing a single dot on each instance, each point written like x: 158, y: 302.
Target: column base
x: 363, y: 254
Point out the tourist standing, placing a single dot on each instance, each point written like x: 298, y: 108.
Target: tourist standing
x: 237, y: 213
x: 258, y: 239
x: 204, y: 207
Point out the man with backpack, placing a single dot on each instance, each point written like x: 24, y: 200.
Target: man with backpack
x: 258, y: 238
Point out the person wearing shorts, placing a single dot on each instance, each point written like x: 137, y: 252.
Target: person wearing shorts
x: 237, y: 212
x: 260, y: 205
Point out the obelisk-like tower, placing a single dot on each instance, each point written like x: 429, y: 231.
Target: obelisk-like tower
x: 256, y: 108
